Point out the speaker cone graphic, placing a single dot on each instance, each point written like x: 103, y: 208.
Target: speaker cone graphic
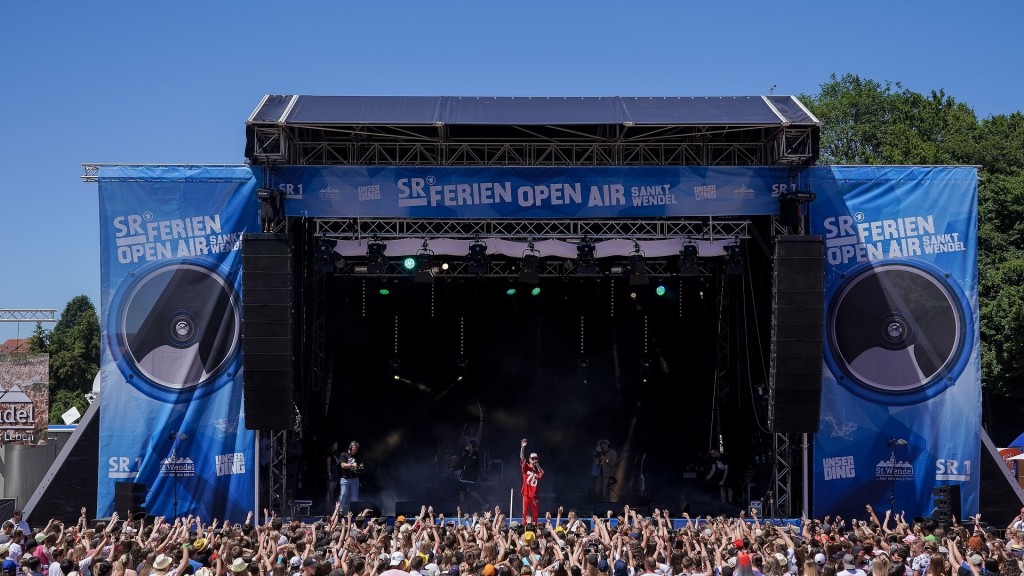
x: 898, y: 329
x: 177, y: 328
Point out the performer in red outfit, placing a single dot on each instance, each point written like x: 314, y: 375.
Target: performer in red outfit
x: 532, y: 473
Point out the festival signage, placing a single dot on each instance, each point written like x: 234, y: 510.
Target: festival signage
x: 529, y: 192
x: 24, y: 398
x: 171, y: 391
x: 901, y: 394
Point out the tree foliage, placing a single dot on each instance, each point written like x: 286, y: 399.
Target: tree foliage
x: 867, y: 122
x: 74, y: 349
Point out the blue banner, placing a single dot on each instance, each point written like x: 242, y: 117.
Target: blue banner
x: 901, y: 395
x: 170, y: 240
x: 529, y: 192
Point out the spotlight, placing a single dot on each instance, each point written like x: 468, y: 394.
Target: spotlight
x: 688, y: 260
x: 637, y: 268
x: 660, y: 290
x: 384, y: 291
x: 424, y: 264
x: 395, y: 368
x: 409, y: 263
x: 535, y: 291
x: 530, y: 273
x: 461, y: 368
x: 585, y: 261
x: 477, y: 259
x: 734, y: 259
x: 511, y: 291
x: 377, y: 261
x: 326, y: 259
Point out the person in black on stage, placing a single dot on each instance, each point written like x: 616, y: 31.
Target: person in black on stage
x: 333, y: 471
x: 720, y: 475
x: 603, y: 469
x: 469, y: 478
x: 351, y: 469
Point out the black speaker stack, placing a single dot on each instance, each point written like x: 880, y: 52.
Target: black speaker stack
x: 130, y: 496
x: 946, y: 500
x: 798, y: 298
x: 267, y: 312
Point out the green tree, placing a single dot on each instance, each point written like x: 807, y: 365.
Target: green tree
x: 74, y: 347
x: 63, y: 400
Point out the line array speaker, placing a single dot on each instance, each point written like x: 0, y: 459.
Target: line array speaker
x: 267, y: 331
x: 798, y: 297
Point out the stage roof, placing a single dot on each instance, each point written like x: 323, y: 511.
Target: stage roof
x: 527, y: 131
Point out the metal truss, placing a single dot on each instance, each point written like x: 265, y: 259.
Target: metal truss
x: 28, y: 315
x: 277, y: 472
x: 540, y: 229
x: 612, y: 145
x: 510, y: 268
x: 781, y: 502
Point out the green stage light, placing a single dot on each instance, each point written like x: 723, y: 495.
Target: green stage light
x: 535, y: 291
x: 511, y: 291
x: 384, y: 291
x: 409, y: 263
x: 660, y: 290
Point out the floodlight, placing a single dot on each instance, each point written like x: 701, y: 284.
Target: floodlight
x: 586, y: 263
x: 477, y: 260
x: 377, y: 261
x: 688, y: 260
x: 734, y: 259
x: 530, y: 273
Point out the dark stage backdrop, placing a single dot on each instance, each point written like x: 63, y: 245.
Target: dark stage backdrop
x: 522, y: 371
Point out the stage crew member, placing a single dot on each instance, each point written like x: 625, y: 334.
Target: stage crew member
x: 348, y: 485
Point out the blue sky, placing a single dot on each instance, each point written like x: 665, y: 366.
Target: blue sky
x: 172, y: 82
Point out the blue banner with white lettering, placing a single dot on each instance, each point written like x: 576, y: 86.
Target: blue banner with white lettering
x: 171, y: 392
x: 901, y: 395
x: 529, y: 192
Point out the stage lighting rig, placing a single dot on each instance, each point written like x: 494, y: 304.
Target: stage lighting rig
x: 395, y: 368
x: 376, y: 260
x: 530, y: 273
x: 327, y: 260
x: 734, y: 257
x: 688, y: 260
x: 791, y: 207
x: 586, y: 263
x: 424, y: 265
x: 637, y: 267
x: 477, y: 260
x: 271, y: 213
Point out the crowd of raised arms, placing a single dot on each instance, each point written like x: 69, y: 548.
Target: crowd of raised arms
x: 489, y: 544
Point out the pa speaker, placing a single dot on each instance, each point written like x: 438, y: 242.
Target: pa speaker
x: 798, y: 278
x: 130, y: 496
x: 946, y: 500
x: 267, y: 357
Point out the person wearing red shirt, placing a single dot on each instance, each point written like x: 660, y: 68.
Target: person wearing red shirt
x: 532, y: 473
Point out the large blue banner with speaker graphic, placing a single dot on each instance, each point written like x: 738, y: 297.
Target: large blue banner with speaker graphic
x: 901, y: 394
x: 171, y: 393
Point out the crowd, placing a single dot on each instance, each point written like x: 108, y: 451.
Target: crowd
x: 489, y: 544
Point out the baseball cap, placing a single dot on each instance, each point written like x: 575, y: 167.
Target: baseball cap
x: 848, y: 562
x: 977, y: 560
x: 397, y: 558
x: 310, y: 562
x: 909, y: 538
x: 819, y: 559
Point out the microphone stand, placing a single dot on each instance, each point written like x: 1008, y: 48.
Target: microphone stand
x: 174, y: 437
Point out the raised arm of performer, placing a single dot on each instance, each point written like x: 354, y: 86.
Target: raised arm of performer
x: 532, y: 473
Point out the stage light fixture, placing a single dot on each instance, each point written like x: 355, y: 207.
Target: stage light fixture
x: 409, y: 263
x: 688, y: 260
x: 645, y: 370
x: 424, y: 267
x: 511, y: 291
x: 376, y: 260
x: 535, y: 291
x: 638, y: 267
x: 734, y: 259
x: 530, y: 274
x: 660, y: 290
x: 383, y: 291
x: 583, y: 369
x: 461, y: 369
x: 477, y: 260
x: 395, y: 368
x: 586, y: 263
x: 326, y: 259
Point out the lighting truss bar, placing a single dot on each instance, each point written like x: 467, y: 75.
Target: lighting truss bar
x: 28, y: 315
x: 502, y: 268
x: 384, y: 228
